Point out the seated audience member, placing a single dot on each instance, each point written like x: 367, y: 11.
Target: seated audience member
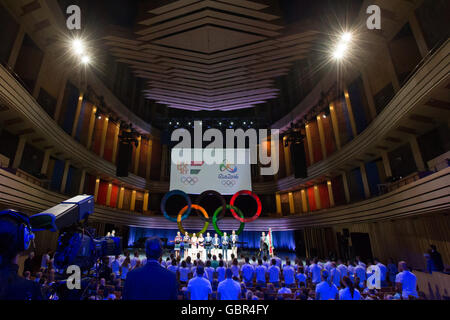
x: 406, y: 281
x: 151, y: 282
x: 38, y: 277
x: 214, y: 262
x: 314, y: 270
x: 209, y: 271
x: 301, y: 277
x: 235, y: 269
x: 326, y: 290
x: 284, y: 290
x: 199, y: 287
x: 173, y: 267
x: 289, y: 274
x: 184, y: 272
x: 274, y: 274
x: 266, y: 262
x: 343, y: 270
x: 349, y: 292
x: 229, y: 289
x: 248, y: 272
x: 220, y: 271
x: 261, y: 272
x: 27, y: 275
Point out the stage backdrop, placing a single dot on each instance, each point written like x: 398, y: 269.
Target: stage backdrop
x: 282, y: 240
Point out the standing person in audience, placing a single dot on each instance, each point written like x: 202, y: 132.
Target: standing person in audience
x: 349, y: 292
x: 289, y: 274
x: 225, y: 243
x: 274, y: 274
x: 342, y: 269
x: 326, y: 290
x: 210, y: 271
x: 351, y: 269
x: 301, y: 276
x: 199, y: 287
x: 383, y: 271
x: 229, y: 289
x: 392, y: 270
x: 335, y: 275
x: 360, y: 273
x: 135, y: 260
x: 406, y: 281
x: 126, y: 266
x: 151, y: 282
x: 45, y: 259
x: 248, y: 273
x: 261, y: 273
x: 183, y: 272
x: 115, y: 266
x: 29, y: 263
x: 221, y: 271
x: 314, y: 271
x: 437, y: 259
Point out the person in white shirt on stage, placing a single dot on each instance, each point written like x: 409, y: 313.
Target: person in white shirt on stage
x: 326, y: 290
x: 199, y: 287
x: 229, y: 289
x: 234, y: 240
x: 201, y: 247
x: 220, y: 271
x: 349, y: 292
x: 194, y: 246
x: 274, y: 274
x: 406, y: 281
x: 315, y: 270
x: 289, y: 275
x: 187, y: 244
x: 247, y: 271
x: 261, y: 272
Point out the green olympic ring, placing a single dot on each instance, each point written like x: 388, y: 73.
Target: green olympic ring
x: 214, y: 220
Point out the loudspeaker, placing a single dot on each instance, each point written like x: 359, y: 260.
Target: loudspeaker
x: 124, y: 159
x: 298, y: 157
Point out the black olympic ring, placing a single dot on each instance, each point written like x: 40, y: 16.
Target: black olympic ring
x: 217, y: 195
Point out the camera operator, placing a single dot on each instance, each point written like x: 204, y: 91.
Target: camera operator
x: 15, y: 237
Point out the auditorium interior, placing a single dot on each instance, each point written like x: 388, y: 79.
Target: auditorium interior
x: 372, y: 117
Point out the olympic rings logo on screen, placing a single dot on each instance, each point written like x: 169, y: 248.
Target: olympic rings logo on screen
x: 228, y: 183
x: 228, y: 167
x: 189, y: 180
x: 219, y: 213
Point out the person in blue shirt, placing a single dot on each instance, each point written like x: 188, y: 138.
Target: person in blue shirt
x: 208, y: 243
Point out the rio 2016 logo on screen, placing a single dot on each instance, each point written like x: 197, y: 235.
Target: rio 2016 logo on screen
x: 228, y: 167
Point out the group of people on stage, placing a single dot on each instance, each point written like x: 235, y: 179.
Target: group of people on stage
x: 205, y: 245
x: 213, y: 245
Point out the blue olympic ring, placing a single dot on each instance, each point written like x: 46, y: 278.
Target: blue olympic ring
x: 176, y: 193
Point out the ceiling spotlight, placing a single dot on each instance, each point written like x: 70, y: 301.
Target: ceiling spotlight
x: 347, y: 37
x: 78, y: 46
x: 340, y: 51
x: 85, y: 60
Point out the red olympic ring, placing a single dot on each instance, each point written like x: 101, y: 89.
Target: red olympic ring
x: 258, y: 203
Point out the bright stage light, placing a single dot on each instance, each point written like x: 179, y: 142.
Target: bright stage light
x: 78, y: 46
x: 85, y: 60
x: 347, y: 37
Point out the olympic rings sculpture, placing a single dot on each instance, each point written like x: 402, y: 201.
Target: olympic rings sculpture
x: 186, y: 211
